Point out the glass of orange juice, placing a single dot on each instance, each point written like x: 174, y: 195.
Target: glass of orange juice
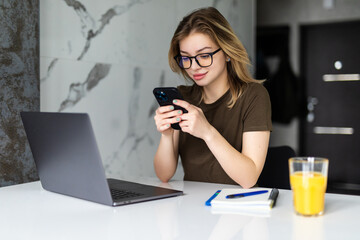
x: 308, y: 180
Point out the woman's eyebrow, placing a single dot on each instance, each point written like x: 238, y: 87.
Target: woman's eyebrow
x: 200, y: 50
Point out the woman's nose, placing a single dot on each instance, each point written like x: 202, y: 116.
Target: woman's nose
x: 195, y: 65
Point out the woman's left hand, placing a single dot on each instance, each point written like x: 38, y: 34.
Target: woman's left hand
x: 194, y: 122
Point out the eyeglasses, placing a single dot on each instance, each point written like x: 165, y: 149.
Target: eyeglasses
x: 202, y: 59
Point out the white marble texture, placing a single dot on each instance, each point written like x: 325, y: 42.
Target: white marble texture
x: 105, y: 57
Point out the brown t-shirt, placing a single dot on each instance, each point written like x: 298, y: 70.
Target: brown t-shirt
x: 251, y: 112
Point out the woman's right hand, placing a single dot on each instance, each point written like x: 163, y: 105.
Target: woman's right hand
x: 164, y: 117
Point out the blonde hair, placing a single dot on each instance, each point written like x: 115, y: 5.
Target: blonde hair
x: 211, y: 22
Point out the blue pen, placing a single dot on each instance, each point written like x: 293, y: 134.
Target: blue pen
x: 240, y: 195
x: 208, y: 202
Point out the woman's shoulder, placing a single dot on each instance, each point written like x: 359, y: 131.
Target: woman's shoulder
x: 255, y: 89
x: 253, y: 93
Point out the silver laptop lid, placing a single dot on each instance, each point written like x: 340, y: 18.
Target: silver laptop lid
x: 66, y: 155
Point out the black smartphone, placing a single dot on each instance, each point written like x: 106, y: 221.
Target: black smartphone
x: 165, y: 96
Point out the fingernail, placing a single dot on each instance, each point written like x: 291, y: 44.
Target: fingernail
x: 179, y: 112
x: 174, y: 101
x: 178, y: 119
x: 167, y: 125
x: 171, y: 107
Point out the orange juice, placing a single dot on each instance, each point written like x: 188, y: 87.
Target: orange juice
x: 308, y: 192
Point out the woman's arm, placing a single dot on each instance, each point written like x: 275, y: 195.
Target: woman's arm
x: 243, y: 167
x: 166, y: 157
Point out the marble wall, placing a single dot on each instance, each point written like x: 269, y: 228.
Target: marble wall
x: 19, y: 86
x: 105, y: 57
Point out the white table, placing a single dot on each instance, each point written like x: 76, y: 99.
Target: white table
x: 27, y: 211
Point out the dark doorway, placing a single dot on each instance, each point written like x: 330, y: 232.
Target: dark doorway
x: 330, y: 64
x: 273, y: 65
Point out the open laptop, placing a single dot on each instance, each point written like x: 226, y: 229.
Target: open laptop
x: 68, y: 161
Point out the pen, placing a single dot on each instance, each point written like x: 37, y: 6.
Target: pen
x: 208, y: 202
x: 273, y: 196
x: 240, y: 195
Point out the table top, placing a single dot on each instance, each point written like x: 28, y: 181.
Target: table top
x: 27, y: 211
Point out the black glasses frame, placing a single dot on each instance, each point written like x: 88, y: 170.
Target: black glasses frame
x: 178, y: 57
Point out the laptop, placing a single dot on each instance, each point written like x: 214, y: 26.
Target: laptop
x: 68, y: 161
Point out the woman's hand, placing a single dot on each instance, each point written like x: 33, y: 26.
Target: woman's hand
x: 164, y: 117
x: 194, y: 122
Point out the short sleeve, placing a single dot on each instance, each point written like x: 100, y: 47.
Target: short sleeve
x: 257, y: 116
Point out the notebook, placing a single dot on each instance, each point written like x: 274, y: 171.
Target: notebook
x: 68, y: 161
x: 255, y: 201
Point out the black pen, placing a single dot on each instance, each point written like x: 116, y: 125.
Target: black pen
x: 273, y: 196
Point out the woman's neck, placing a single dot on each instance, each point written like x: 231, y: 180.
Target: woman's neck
x: 215, y: 91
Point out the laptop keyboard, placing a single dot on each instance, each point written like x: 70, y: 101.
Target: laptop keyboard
x: 121, y: 194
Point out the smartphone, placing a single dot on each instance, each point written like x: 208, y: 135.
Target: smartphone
x: 165, y: 97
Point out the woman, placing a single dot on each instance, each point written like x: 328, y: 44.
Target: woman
x: 225, y: 134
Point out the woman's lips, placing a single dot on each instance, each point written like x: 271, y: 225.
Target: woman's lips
x: 199, y: 76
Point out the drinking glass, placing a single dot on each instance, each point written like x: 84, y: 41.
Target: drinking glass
x: 308, y: 180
